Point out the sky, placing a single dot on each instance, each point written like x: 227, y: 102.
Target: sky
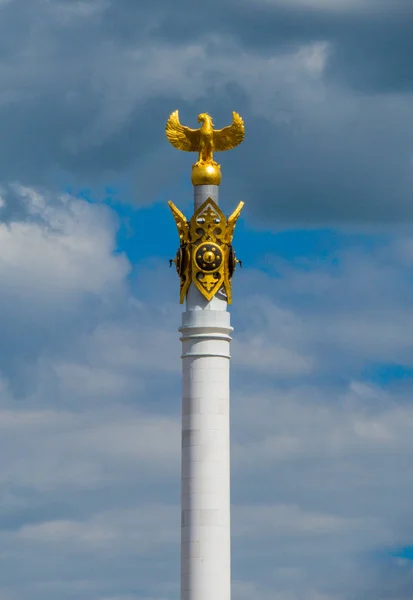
x: 322, y: 355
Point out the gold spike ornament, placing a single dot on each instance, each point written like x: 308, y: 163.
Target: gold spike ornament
x: 205, y: 256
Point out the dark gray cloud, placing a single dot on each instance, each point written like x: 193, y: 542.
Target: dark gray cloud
x: 325, y: 90
x: 372, y: 39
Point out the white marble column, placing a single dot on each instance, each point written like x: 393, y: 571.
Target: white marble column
x: 205, y: 526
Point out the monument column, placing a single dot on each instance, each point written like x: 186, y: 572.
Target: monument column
x: 205, y: 263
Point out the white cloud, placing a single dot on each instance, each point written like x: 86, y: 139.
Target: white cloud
x: 325, y: 5
x: 157, y: 341
x: 258, y: 354
x: 79, y: 9
x: 65, y: 252
x: 91, y: 481
x: 66, y: 531
x: 350, y: 315
x: 57, y: 450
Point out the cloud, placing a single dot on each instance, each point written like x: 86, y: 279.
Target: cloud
x: 331, y: 462
x: 90, y: 423
x: 324, y: 88
x: 68, y: 256
x: 90, y: 385
x: 339, y: 325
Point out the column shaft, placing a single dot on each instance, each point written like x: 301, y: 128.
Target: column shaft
x: 205, y: 544
x: 206, y: 526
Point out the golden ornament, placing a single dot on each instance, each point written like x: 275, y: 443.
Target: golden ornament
x: 206, y: 140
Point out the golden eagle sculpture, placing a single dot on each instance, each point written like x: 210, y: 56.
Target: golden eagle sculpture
x: 206, y: 140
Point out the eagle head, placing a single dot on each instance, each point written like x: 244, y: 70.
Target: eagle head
x: 202, y: 117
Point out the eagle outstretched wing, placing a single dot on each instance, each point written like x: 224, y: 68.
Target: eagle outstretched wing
x: 180, y: 136
x: 231, y: 136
